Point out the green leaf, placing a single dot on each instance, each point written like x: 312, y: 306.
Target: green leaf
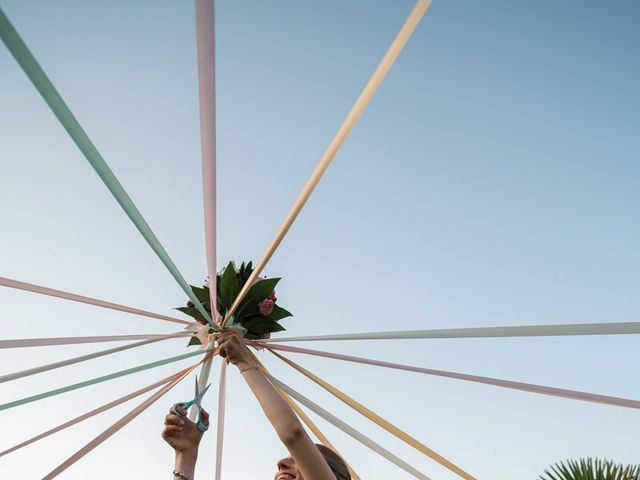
x: 259, y: 291
x: 258, y: 326
x: 202, y: 294
x: 278, y: 314
x: 192, y: 312
x: 261, y: 326
x: 194, y: 341
x: 247, y: 272
x: 590, y: 469
x: 247, y: 308
x: 229, y: 286
x: 276, y: 327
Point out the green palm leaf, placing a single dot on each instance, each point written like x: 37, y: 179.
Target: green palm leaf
x: 590, y: 469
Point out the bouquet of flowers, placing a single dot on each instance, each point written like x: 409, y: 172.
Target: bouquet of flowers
x: 257, y: 315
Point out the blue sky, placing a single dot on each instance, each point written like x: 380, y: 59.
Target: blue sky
x: 492, y: 181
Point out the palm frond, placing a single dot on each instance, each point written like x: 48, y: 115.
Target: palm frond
x: 591, y: 469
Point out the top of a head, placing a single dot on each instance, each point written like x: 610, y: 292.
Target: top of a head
x: 337, y: 465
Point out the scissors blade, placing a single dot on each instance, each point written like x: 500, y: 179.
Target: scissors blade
x: 197, y: 399
x: 199, y: 396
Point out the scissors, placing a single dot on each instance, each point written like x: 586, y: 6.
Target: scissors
x: 197, y: 401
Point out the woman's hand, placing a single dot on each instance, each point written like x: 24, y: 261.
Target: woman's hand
x: 181, y: 433
x: 233, y: 348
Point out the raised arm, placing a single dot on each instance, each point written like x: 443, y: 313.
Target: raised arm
x: 306, y: 455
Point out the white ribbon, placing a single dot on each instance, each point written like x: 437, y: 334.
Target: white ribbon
x: 366, y: 441
x: 620, y: 328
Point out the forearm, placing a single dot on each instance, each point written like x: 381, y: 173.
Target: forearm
x: 307, y: 457
x: 186, y: 463
x: 277, y: 410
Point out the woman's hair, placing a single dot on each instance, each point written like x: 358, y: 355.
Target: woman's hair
x: 337, y: 465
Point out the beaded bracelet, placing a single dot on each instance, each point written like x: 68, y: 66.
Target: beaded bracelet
x: 179, y: 474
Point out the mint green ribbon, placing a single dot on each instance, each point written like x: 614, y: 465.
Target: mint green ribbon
x: 27, y: 61
x: 101, y: 379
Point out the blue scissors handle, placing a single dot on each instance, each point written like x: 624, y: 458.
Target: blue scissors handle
x: 197, y: 400
x: 201, y: 425
x: 199, y: 422
x: 186, y: 405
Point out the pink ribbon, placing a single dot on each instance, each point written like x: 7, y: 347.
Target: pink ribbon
x: 119, y: 424
x: 92, y: 413
x: 29, y: 287
x: 207, y: 85
x: 43, y: 342
x: 221, y: 409
x: 525, y: 387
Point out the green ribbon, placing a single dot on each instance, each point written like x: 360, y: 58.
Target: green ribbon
x: 101, y: 379
x: 27, y: 61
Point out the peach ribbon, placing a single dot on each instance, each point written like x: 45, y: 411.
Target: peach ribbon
x: 205, y: 33
x: 119, y: 424
x: 30, y: 287
x: 222, y: 389
x: 91, y: 413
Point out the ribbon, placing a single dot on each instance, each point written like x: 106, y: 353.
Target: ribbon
x: 525, y: 387
x: 118, y: 425
x: 352, y: 432
x: 405, y: 437
x: 97, y: 380
x: 316, y: 431
x: 45, y: 342
x: 30, y: 287
x: 203, y: 378
x: 202, y: 333
x: 39, y: 78
x: 81, y: 358
x: 91, y: 413
x: 222, y: 389
x: 619, y: 328
x: 361, y: 103
x: 205, y: 32
x: 305, y: 418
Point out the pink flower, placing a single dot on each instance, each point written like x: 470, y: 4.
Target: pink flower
x: 273, y: 296
x: 266, y: 307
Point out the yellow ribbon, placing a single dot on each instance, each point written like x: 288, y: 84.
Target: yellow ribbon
x: 361, y: 103
x: 405, y: 437
x: 306, y: 420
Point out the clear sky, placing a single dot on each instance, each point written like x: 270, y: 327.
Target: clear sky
x: 494, y: 180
